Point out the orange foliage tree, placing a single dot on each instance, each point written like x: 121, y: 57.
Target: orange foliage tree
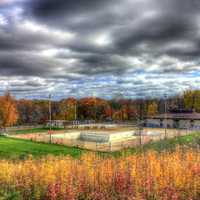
x: 93, y: 108
x: 68, y: 109
x: 8, y: 111
x: 152, y: 109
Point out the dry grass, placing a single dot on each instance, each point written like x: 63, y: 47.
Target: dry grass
x: 148, y: 176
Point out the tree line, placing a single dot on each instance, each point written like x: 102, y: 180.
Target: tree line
x: 24, y: 111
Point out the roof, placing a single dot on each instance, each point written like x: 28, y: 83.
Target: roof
x: 57, y: 121
x: 190, y: 116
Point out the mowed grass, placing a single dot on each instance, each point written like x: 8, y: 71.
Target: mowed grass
x: 11, y: 148
x: 20, y: 149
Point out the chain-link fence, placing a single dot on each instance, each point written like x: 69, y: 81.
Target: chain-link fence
x: 140, y: 137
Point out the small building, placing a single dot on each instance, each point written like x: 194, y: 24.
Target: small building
x: 65, y: 123
x: 56, y: 123
x: 182, y: 120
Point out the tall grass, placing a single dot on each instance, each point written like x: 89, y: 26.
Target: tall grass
x: 146, y: 176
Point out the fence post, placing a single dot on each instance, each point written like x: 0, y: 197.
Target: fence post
x: 110, y: 146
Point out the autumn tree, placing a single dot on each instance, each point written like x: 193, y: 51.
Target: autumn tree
x: 25, y: 110
x: 108, y: 112
x: 68, y: 109
x: 93, y: 108
x: 189, y: 99
x: 152, y: 109
x: 8, y: 111
x: 192, y: 100
x: 197, y: 101
x: 40, y: 113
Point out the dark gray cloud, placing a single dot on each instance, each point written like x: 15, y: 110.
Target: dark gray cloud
x: 51, y: 8
x: 25, y: 65
x: 78, y: 47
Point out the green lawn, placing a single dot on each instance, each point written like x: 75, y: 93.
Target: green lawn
x: 192, y: 140
x: 34, y: 130
x: 16, y: 148
x: 11, y: 148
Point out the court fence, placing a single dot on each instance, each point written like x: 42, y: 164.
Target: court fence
x: 141, y: 138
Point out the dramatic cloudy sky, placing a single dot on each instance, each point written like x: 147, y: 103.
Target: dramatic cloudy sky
x: 135, y: 48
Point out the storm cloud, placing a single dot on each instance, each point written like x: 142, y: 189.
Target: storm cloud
x: 137, y: 48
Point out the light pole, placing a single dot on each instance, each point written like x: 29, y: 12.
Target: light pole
x: 165, y: 116
x: 75, y: 114
x: 50, y: 118
x: 140, y: 121
x: 95, y: 107
x: 75, y: 111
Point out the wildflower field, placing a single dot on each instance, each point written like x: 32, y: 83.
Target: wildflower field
x: 145, y: 176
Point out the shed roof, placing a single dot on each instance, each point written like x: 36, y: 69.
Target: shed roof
x: 189, y: 116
